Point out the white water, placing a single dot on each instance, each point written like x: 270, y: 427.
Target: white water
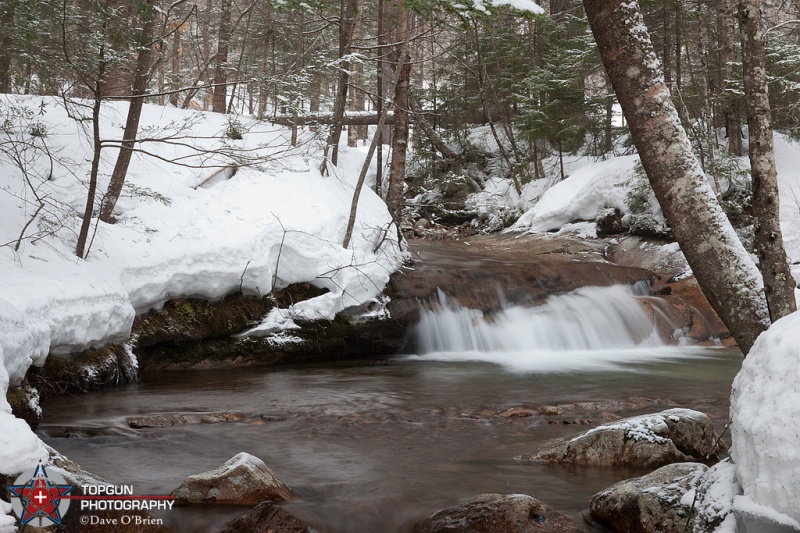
x: 593, y: 328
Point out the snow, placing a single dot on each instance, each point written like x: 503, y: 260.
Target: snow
x: 182, y: 231
x: 765, y: 411
x: 582, y: 195
x: 649, y: 427
x: 712, y: 497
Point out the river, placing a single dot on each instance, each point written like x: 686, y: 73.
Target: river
x: 379, y: 445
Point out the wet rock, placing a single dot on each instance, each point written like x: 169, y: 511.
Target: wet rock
x: 242, y: 480
x: 164, y: 420
x: 267, y: 517
x: 654, y: 503
x: 609, y: 221
x: 84, y: 371
x: 499, y: 513
x: 516, y: 412
x: 550, y: 410
x: 672, y: 436
x: 24, y: 402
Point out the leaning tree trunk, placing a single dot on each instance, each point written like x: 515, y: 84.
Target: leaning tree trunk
x: 723, y: 269
x: 141, y: 77
x: 778, y: 282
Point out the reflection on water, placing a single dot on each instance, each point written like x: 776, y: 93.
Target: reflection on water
x: 376, y: 447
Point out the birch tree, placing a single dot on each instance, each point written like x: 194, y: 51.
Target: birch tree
x: 724, y: 270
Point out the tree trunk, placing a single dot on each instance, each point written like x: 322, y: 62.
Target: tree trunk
x: 220, y: 102
x: 778, y: 282
x: 174, y: 76
x: 81, y: 249
x: 732, y: 127
x: 356, y: 95
x: 721, y: 265
x: 7, y: 9
x: 141, y: 77
x: 402, y: 100
x: 347, y: 20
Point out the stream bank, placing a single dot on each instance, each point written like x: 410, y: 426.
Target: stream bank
x: 483, y: 272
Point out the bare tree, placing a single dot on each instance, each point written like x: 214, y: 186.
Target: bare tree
x: 148, y: 17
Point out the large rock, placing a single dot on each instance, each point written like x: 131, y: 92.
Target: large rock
x: 655, y: 503
x: 242, y: 480
x: 499, y: 513
x: 672, y: 436
x: 267, y: 517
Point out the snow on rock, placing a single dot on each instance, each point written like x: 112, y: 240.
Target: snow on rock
x: 765, y: 410
x: 712, y: 499
x: 671, y: 436
x: 582, y: 195
x: 243, y: 480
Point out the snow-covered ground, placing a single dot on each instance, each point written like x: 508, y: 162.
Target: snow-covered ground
x: 182, y: 230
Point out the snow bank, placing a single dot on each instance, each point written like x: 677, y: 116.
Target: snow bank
x: 765, y: 412
x: 582, y: 195
x: 181, y: 231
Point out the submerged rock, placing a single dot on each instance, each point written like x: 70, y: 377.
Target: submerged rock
x: 164, y: 420
x: 499, y: 513
x: 672, y: 436
x: 242, y: 480
x: 267, y: 517
x: 655, y: 503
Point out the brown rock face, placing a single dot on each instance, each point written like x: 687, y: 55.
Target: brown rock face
x: 649, y: 504
x: 672, y: 436
x: 242, y: 480
x: 267, y: 517
x: 499, y: 513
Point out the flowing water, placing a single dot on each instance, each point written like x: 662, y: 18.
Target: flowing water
x: 377, y: 446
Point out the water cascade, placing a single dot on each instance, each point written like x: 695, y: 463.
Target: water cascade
x: 590, y: 328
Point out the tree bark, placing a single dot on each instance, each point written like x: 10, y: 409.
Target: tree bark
x: 141, y: 77
x: 732, y: 127
x: 402, y: 100
x: 7, y: 9
x: 778, y: 282
x: 346, y: 26
x: 721, y: 265
x: 356, y: 95
x: 220, y: 102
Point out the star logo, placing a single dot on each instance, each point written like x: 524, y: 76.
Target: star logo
x: 40, y: 497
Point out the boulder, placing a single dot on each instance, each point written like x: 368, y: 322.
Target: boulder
x: 267, y: 517
x: 242, y: 480
x: 499, y: 513
x: 672, y: 436
x: 655, y: 503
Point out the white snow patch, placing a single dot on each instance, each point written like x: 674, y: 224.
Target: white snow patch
x: 649, y: 428
x: 765, y: 411
x: 581, y: 196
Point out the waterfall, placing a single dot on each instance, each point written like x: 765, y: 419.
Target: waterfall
x: 587, y: 328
